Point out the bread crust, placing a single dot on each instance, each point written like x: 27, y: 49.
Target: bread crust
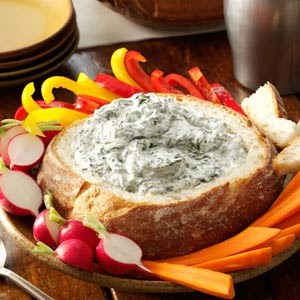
x: 164, y: 230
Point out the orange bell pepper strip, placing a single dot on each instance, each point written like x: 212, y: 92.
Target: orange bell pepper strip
x: 118, y: 67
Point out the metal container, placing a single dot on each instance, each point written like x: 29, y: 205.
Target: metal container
x: 265, y: 41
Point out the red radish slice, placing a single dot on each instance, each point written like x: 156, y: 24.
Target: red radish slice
x: 117, y: 254
x: 19, y: 193
x: 6, y: 138
x: 25, y: 151
x: 45, y: 230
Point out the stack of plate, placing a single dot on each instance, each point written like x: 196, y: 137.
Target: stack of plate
x: 36, y: 37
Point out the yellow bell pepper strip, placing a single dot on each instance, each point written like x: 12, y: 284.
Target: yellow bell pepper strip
x: 27, y: 101
x: 119, y: 69
x: 83, y: 87
x: 98, y: 91
x: 64, y: 116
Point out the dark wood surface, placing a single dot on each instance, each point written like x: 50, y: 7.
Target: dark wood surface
x: 212, y: 53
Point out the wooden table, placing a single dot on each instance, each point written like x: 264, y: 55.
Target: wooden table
x: 212, y: 53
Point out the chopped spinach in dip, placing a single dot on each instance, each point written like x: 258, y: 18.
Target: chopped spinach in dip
x: 152, y: 145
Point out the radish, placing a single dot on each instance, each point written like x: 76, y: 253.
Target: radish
x: 73, y: 252
x: 74, y: 229
x: 117, y: 254
x: 44, y: 230
x: 19, y: 192
x: 5, y: 139
x: 25, y: 151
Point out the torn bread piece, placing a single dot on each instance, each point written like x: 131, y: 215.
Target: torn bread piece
x: 266, y: 110
x: 288, y: 160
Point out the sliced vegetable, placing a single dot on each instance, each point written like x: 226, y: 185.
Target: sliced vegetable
x: 160, y: 84
x: 73, y: 252
x: 203, y: 85
x: 27, y: 101
x: 63, y: 116
x: 6, y: 138
x: 84, y: 86
x: 116, y: 253
x: 240, y: 261
x: 117, y: 63
x: 177, y: 80
x: 21, y: 113
x: 117, y: 86
x: 247, y: 239
x: 25, y: 151
x: 19, y: 192
x: 85, y: 105
x: 292, y: 220
x: 291, y: 187
x: 132, y: 61
x: 283, y: 243
x: 226, y: 97
x: 203, y: 280
x: 284, y: 209
x: 98, y: 91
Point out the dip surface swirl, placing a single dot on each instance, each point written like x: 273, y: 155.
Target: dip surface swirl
x: 152, y: 145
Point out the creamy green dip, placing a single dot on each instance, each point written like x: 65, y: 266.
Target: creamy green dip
x: 152, y: 145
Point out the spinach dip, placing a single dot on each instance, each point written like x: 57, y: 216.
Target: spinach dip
x: 155, y: 145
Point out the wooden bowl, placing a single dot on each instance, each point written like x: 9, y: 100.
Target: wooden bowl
x: 20, y: 229
x: 170, y: 13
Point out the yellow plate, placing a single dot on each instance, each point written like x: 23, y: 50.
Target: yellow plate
x: 25, y: 23
x: 20, y: 228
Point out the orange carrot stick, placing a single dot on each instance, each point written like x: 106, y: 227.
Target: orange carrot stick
x: 294, y: 229
x: 243, y: 241
x: 289, y: 189
x: 286, y: 208
x: 283, y: 243
x: 203, y: 280
x: 240, y: 261
x: 292, y: 220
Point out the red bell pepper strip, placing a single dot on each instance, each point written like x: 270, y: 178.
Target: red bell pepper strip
x: 160, y: 84
x: 88, y: 104
x: 117, y: 86
x: 226, y: 97
x: 177, y: 80
x: 203, y: 85
x: 132, y: 61
x: 21, y: 113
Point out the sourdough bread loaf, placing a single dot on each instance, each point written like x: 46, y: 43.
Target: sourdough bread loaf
x: 174, y: 173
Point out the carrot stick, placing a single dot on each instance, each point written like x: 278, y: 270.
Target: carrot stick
x: 294, y: 229
x: 203, y: 280
x: 243, y: 241
x: 286, y: 208
x: 292, y: 220
x: 289, y: 189
x: 283, y: 240
x: 240, y: 261
x: 282, y: 243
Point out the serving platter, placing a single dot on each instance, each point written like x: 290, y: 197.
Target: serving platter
x: 20, y: 229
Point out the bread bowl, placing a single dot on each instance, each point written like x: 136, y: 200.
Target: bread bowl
x: 161, y: 202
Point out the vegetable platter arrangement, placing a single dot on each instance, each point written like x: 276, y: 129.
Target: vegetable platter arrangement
x: 86, y: 244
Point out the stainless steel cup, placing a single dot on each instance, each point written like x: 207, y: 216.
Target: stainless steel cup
x: 264, y: 36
